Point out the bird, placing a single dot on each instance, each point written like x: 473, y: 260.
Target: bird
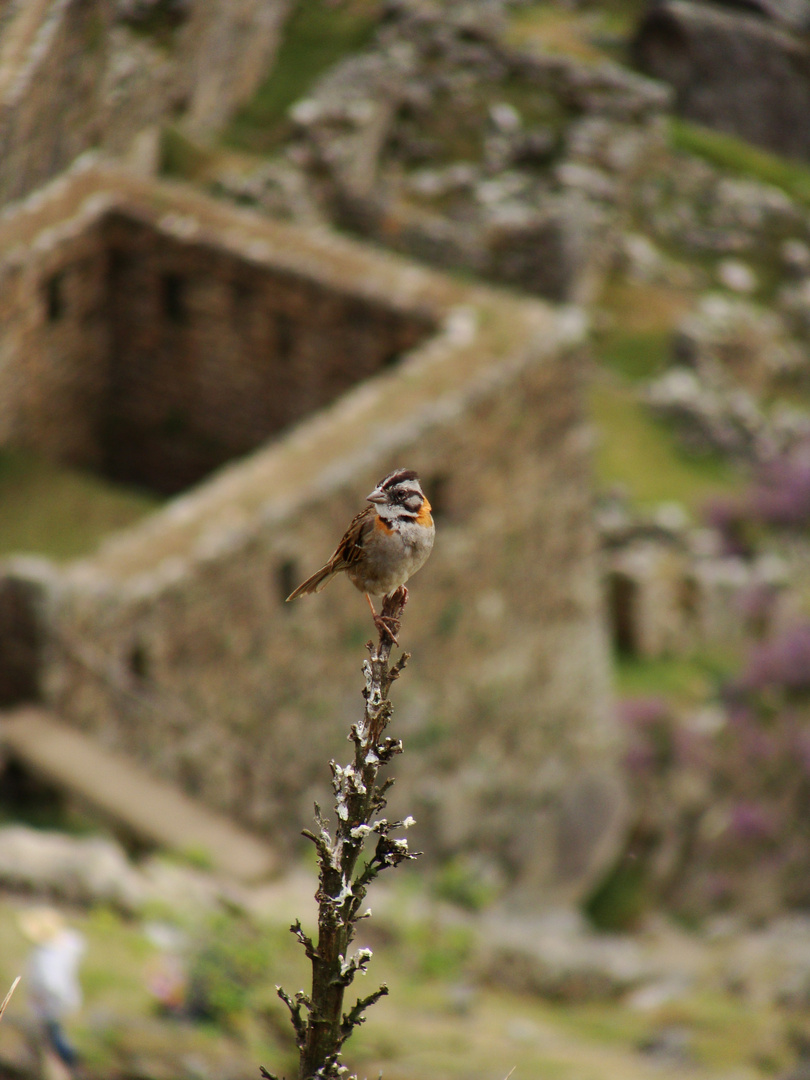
x: 384, y: 545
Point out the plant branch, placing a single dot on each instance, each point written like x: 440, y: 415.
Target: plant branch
x: 321, y: 1027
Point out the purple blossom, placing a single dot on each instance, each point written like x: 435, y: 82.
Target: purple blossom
x: 755, y: 602
x: 783, y: 661
x: 781, y: 493
x: 750, y: 821
x: 643, y: 713
x: 801, y: 748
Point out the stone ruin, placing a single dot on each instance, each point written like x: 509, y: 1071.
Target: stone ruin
x: 444, y: 143
x: 673, y: 591
x: 159, y: 336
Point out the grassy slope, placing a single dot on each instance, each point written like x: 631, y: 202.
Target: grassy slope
x: 434, y: 1026
x: 635, y: 451
x: 317, y: 35
x: 641, y: 456
x: 590, y: 35
x: 47, y: 509
x: 741, y: 158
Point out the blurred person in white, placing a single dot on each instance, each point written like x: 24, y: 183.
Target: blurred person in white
x: 52, y: 978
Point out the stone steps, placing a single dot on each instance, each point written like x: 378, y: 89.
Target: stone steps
x: 122, y: 790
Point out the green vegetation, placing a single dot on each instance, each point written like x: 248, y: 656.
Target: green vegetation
x: 640, y: 319
x: 636, y: 451
x: 181, y: 157
x: 635, y: 356
x: 51, y: 510
x: 589, y: 33
x: 685, y: 680
x: 317, y: 35
x: 640, y: 455
x: 731, y: 153
x: 228, y: 965
x: 461, y: 881
x: 443, y: 1022
x: 620, y: 900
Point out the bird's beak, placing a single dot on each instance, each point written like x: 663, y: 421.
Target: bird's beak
x: 377, y: 496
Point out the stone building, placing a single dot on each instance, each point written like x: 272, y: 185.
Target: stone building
x: 672, y: 591
x: 161, y: 337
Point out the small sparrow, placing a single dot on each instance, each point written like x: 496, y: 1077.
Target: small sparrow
x: 384, y: 545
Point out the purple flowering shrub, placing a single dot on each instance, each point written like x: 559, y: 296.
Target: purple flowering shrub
x: 724, y: 804
x: 777, y: 497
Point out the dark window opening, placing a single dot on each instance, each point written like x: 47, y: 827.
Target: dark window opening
x: 118, y: 264
x: 287, y: 578
x: 55, y: 297
x: 284, y: 337
x: 20, y: 642
x: 174, y: 298
x: 27, y: 798
x: 623, y: 613
x: 689, y: 595
x: 243, y: 298
x: 139, y: 662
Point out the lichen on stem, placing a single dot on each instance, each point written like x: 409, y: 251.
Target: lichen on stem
x: 320, y: 1024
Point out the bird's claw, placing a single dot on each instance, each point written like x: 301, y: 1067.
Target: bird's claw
x: 388, y: 626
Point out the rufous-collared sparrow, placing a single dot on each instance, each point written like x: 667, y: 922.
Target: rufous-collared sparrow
x: 384, y: 545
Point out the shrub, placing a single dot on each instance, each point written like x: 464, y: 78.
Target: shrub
x: 777, y: 497
x: 228, y: 963
x: 721, y: 804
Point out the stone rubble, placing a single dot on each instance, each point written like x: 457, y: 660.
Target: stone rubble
x: 730, y: 357
x: 443, y: 143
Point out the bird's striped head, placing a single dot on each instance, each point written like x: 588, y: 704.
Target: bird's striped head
x: 399, y: 496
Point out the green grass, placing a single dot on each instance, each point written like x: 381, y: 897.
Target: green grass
x: 641, y: 455
x: 636, y: 356
x: 440, y: 1021
x: 180, y: 157
x: 588, y: 35
x: 737, y: 156
x: 317, y: 35
x: 687, y: 680
x: 48, y: 509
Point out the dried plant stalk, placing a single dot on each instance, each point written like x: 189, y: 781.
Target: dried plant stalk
x: 320, y: 1023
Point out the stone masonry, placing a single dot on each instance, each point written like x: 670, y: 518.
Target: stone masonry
x: 117, y: 364
x: 173, y: 643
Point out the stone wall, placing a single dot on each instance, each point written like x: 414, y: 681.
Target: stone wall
x: 75, y: 74
x: 173, y: 644
x: 154, y: 359
x: 54, y: 344
x: 212, y: 354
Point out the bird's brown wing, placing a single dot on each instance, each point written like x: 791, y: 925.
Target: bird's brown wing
x: 345, y: 555
x: 350, y: 548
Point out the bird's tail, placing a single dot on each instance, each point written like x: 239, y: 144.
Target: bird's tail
x: 315, y: 583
